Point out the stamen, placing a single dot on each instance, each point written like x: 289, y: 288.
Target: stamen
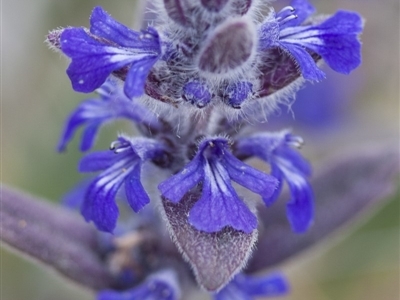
x: 295, y: 141
x: 286, y: 15
x: 119, y: 146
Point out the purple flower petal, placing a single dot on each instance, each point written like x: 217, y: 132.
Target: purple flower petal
x: 300, y: 208
x: 245, y: 287
x: 104, y: 26
x: 92, y: 61
x: 123, y: 165
x: 137, y: 75
x: 175, y: 187
x: 306, y: 63
x: 252, y: 179
x: 219, y: 205
x: 286, y: 164
x: 111, y: 105
x: 135, y: 193
x: 97, y: 161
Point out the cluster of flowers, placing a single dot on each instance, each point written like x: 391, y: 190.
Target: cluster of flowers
x: 190, y: 83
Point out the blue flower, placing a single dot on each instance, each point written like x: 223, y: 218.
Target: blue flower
x: 95, y: 112
x: 335, y: 39
x: 244, y: 287
x: 109, y: 46
x: 286, y: 164
x: 219, y: 205
x: 160, y: 286
x: 122, y: 165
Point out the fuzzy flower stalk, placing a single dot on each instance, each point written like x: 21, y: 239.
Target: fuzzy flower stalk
x: 194, y: 83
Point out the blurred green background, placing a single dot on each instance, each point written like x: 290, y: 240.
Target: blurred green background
x: 36, y: 98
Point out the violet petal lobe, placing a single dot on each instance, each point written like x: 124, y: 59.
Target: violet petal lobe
x: 135, y: 193
x: 124, y: 167
x: 104, y: 26
x: 219, y: 205
x: 287, y: 164
x: 92, y: 61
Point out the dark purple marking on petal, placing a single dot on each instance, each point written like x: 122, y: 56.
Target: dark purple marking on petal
x: 214, y: 257
x: 228, y: 49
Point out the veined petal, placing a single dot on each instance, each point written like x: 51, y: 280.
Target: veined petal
x: 175, y: 187
x: 97, y: 161
x: 123, y: 165
x: 300, y: 209
x: 335, y: 39
x: 306, y: 63
x: 219, y: 205
x: 111, y: 105
x: 286, y: 164
x: 92, y: 61
x: 249, y: 177
x: 99, y: 204
x: 136, y: 78
x: 135, y: 193
x: 103, y: 25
